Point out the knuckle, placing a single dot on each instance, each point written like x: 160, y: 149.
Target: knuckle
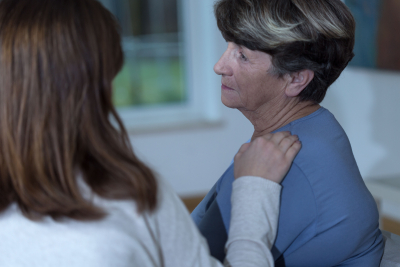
x: 287, y: 141
x: 269, y: 145
x: 269, y: 135
x: 259, y: 141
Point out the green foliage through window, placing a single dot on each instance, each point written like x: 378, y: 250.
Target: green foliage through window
x: 153, y: 72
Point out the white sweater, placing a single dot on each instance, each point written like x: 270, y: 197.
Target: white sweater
x: 167, y: 237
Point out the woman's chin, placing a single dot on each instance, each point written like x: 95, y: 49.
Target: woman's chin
x: 230, y: 103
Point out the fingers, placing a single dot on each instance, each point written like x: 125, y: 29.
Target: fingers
x: 284, y: 140
x: 287, y: 142
x: 269, y: 156
x: 267, y: 136
x: 279, y: 136
x: 293, y: 150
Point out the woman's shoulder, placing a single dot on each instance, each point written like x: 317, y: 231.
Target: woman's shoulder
x: 327, y: 164
x: 324, y: 142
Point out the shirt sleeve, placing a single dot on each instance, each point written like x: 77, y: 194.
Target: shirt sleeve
x: 198, y: 213
x: 254, y: 222
x: 181, y: 243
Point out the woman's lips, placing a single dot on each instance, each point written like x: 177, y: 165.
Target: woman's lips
x: 224, y: 87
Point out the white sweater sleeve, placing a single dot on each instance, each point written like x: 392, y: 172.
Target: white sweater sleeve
x: 254, y: 222
x: 255, y: 207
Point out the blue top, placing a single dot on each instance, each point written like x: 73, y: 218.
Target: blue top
x: 327, y: 215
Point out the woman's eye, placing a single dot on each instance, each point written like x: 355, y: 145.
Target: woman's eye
x: 242, y: 56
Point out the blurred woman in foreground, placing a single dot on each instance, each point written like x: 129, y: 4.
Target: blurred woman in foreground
x: 72, y: 192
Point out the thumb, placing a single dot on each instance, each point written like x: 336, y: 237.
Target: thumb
x: 242, y: 149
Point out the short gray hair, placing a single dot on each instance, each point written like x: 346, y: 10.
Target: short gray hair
x: 299, y: 34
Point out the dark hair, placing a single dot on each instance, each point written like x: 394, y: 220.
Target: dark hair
x: 299, y: 34
x: 57, y: 62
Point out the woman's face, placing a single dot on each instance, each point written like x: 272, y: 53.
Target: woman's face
x: 246, y: 81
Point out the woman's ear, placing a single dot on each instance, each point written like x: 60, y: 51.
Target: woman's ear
x: 298, y: 81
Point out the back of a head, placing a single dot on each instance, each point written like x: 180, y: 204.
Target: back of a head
x: 57, y: 62
x: 298, y: 34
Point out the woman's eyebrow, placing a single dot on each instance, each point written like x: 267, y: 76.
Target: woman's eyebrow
x: 244, y: 48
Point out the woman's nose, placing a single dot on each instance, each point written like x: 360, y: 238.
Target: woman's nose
x: 221, y: 67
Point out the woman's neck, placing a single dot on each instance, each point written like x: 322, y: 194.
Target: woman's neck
x: 268, y: 119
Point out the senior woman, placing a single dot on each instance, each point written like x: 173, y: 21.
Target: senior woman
x: 282, y: 56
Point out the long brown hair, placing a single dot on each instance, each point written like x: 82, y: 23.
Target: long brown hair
x: 57, y: 62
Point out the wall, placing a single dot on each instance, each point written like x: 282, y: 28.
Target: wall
x: 366, y: 103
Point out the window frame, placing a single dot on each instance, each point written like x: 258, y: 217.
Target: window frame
x: 202, y: 105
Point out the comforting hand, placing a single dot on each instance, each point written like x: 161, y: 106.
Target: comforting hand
x: 269, y: 156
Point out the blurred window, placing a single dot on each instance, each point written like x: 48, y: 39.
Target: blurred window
x: 154, y: 58
x: 167, y: 79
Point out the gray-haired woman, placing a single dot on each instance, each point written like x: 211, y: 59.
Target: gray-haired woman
x: 281, y: 58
